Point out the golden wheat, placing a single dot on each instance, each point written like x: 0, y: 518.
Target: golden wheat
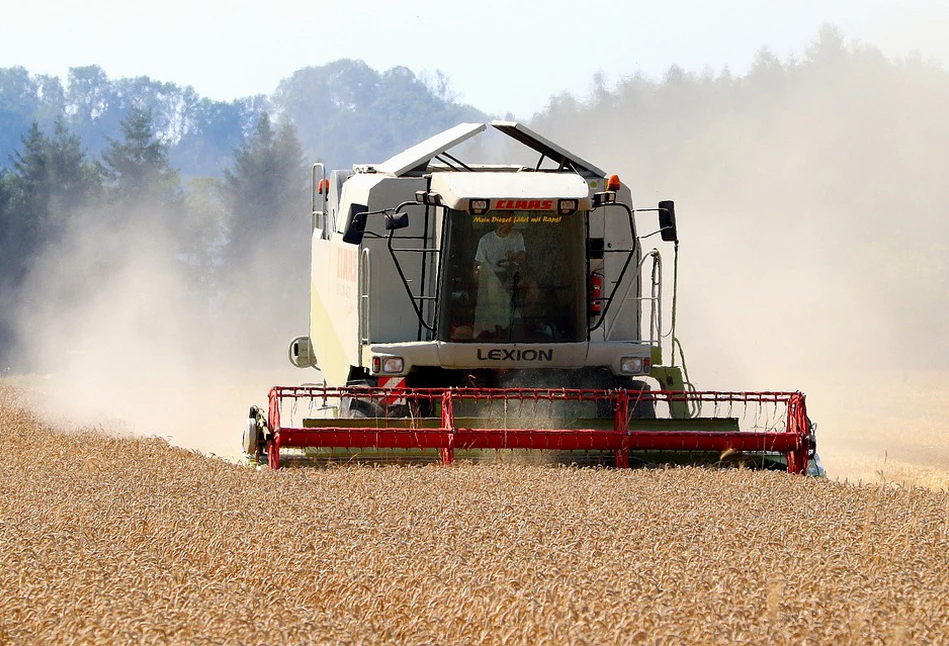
x: 116, y: 540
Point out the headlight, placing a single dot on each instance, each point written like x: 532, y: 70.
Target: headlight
x: 478, y: 207
x: 634, y: 365
x: 393, y: 365
x: 566, y: 207
x: 388, y: 365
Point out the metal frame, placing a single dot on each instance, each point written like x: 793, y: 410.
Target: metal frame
x: 626, y: 433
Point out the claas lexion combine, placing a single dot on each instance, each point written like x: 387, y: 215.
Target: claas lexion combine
x: 461, y: 308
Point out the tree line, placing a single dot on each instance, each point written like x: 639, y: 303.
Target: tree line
x: 52, y: 181
x: 344, y: 112
x: 227, y: 180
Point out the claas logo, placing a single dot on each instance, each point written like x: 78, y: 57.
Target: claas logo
x: 524, y: 205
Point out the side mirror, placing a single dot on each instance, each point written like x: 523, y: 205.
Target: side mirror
x: 667, y: 221
x: 396, y: 221
x: 357, y: 224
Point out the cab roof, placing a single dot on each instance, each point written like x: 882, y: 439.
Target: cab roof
x: 416, y: 160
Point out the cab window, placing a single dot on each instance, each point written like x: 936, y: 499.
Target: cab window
x: 513, y: 277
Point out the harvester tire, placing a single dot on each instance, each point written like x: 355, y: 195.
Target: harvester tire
x: 642, y: 409
x: 356, y: 408
x: 252, y: 434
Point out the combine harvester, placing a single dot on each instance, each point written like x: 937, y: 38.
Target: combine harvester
x: 459, y: 307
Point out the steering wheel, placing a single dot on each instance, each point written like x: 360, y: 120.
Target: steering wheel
x: 508, y: 264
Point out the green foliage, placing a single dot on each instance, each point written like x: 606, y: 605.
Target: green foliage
x: 265, y: 260
x: 18, y: 105
x: 30, y: 182
x: 142, y: 131
x: 5, y: 191
x: 7, y: 236
x: 205, y: 232
x: 345, y: 112
x: 75, y: 181
x: 200, y: 133
x: 50, y: 178
x: 267, y: 185
x: 8, y: 284
x: 348, y: 113
x: 137, y: 167
x: 94, y: 106
x: 205, y: 140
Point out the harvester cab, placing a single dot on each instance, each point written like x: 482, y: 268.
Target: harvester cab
x: 461, y: 306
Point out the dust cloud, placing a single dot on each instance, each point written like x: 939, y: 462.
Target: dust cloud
x: 811, y: 198
x: 121, y: 340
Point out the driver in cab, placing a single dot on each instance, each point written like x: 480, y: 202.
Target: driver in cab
x: 499, y: 259
x: 501, y: 249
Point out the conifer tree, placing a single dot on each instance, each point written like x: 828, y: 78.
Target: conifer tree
x: 266, y: 186
x: 137, y: 167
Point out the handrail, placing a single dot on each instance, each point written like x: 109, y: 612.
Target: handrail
x: 365, y: 276
x: 655, y: 294
x: 634, y: 279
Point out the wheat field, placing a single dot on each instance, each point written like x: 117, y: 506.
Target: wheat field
x: 123, y: 540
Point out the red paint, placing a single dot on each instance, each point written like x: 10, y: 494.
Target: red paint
x: 596, y: 292
x: 793, y: 439
x: 347, y: 264
x: 524, y: 205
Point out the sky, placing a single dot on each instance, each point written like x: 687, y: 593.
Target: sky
x: 501, y: 57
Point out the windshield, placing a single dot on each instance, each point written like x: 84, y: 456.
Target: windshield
x: 513, y: 277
